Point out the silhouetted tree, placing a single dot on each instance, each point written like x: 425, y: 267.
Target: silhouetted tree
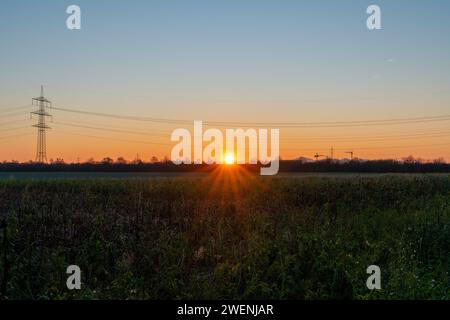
x: 154, y: 159
x: 107, y: 160
x: 121, y: 160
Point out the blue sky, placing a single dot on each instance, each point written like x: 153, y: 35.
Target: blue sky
x: 194, y: 52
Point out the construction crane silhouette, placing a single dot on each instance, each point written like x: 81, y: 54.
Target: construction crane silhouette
x: 351, y: 154
x: 317, y: 156
x: 43, y: 104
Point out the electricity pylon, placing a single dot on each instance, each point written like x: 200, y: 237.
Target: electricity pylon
x: 42, y: 103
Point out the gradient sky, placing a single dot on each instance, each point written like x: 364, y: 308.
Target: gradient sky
x: 233, y: 60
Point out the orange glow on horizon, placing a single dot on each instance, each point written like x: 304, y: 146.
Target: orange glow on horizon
x: 428, y: 141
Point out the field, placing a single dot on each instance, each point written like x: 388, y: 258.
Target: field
x: 228, y: 235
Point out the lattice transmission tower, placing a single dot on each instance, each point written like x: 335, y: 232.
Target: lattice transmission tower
x: 43, y: 104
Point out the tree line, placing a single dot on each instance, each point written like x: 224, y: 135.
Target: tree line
x: 328, y: 165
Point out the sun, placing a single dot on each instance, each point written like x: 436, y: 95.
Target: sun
x: 229, y: 159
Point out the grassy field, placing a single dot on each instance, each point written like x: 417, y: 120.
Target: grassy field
x: 226, y: 236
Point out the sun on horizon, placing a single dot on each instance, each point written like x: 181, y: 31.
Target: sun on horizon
x: 229, y: 159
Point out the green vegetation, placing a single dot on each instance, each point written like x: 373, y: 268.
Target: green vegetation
x: 226, y: 236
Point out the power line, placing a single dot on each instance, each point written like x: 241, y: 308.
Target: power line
x: 106, y: 126
x: 341, y: 123
x: 13, y: 114
x: 41, y: 154
x: 289, y: 139
x: 383, y: 147
x: 12, y: 122
x: 352, y: 138
x: 109, y: 115
x: 394, y: 121
x: 377, y: 138
x: 359, y: 139
x: 107, y: 129
x: 12, y: 129
x: 115, y: 139
x: 15, y: 108
x: 310, y: 149
x: 7, y: 113
x: 15, y: 136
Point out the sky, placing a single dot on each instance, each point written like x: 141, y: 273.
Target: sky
x: 233, y: 60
